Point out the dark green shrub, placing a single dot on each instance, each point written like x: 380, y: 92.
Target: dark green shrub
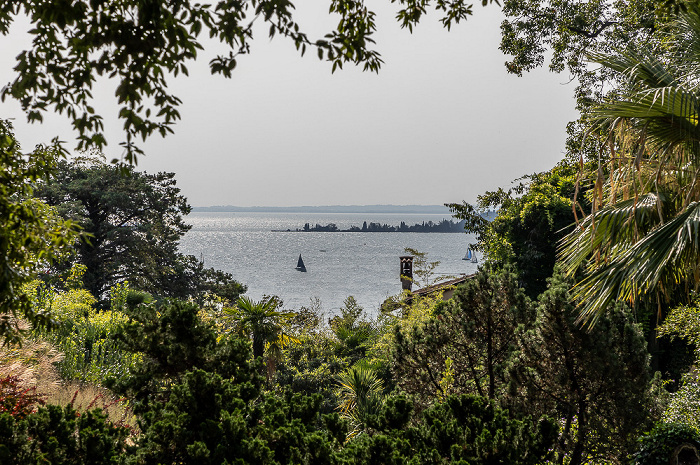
x: 669, y: 443
x: 172, y: 339
x: 463, y: 429
x: 61, y: 436
x: 210, y: 420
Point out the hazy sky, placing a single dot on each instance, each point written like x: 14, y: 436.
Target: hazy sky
x: 441, y: 122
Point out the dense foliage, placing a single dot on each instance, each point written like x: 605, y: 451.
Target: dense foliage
x: 596, y: 382
x: 669, y: 443
x: 462, y: 429
x: 464, y: 346
x: 133, y: 222
x: 32, y: 234
x: 62, y: 436
x: 640, y: 242
x: 532, y: 217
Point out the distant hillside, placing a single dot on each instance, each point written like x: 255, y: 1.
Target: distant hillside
x: 420, y: 209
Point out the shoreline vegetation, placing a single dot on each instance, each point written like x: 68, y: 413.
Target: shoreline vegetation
x: 444, y: 226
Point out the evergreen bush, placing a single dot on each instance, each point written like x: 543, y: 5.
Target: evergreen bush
x: 61, y: 436
x: 669, y: 443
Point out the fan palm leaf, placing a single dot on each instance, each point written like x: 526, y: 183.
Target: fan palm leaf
x: 664, y: 110
x: 608, y: 228
x: 644, y: 240
x: 262, y: 322
x: 361, y: 394
x: 664, y: 258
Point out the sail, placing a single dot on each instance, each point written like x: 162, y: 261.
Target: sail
x: 468, y: 255
x: 474, y: 260
x: 300, y: 264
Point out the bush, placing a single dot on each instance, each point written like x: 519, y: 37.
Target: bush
x: 83, y: 333
x: 17, y: 400
x: 668, y: 443
x: 462, y: 429
x: 61, y: 436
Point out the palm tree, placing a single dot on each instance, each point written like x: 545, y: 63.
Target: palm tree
x: 361, y: 394
x: 642, y: 240
x: 264, y: 324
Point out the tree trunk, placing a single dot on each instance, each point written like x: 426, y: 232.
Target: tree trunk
x: 581, y: 420
x: 489, y: 356
x: 258, y: 346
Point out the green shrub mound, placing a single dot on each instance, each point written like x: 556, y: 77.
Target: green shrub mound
x: 669, y: 443
x: 61, y: 436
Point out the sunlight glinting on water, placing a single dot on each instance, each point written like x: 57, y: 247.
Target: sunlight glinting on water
x: 339, y: 264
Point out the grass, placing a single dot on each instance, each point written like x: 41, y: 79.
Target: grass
x: 35, y: 364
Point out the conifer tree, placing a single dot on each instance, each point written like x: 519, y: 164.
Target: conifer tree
x: 597, y: 381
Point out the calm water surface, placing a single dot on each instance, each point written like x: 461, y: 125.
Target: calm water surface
x: 364, y: 265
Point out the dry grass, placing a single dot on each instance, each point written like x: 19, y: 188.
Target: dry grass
x: 86, y: 396
x: 34, y: 364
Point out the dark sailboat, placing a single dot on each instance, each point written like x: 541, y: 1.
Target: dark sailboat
x: 300, y: 265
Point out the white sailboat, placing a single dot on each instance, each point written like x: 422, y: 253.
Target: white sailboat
x: 468, y: 255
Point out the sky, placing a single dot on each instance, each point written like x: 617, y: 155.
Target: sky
x: 442, y: 121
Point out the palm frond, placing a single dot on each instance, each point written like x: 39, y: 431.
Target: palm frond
x: 666, y: 257
x: 640, y: 68
x: 361, y: 394
x: 608, y: 228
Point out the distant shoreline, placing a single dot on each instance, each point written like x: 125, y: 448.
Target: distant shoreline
x: 444, y: 226
x: 412, y: 209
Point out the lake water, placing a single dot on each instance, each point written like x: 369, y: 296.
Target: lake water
x: 364, y: 265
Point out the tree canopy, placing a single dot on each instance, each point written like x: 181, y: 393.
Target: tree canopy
x: 134, y: 223
x: 641, y: 241
x: 142, y: 44
x: 532, y: 217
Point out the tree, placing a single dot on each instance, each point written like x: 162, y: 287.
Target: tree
x: 172, y: 339
x: 139, y: 44
x: 461, y: 429
x: 423, y: 270
x: 571, y: 28
x: 33, y: 235
x: 532, y: 217
x: 565, y: 32
x: 353, y: 330
x: 263, y: 323
x: 361, y: 394
x: 465, y: 345
x: 200, y: 401
x: 134, y: 221
x: 640, y: 244
x: 597, y: 381
x: 214, y: 420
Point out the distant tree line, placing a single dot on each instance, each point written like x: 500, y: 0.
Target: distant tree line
x: 444, y: 226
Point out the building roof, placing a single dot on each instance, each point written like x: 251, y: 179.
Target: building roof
x: 440, y: 286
